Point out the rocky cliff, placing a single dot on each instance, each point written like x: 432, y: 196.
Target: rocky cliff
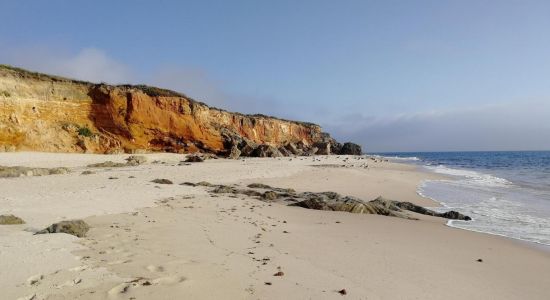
x: 40, y: 112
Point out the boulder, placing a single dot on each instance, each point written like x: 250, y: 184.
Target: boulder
x: 247, y: 147
x: 270, y: 195
x: 350, y: 149
x: 395, y: 205
x: 235, y: 152
x: 77, y: 228
x: 107, y: 164
x: 334, y: 202
x: 284, y: 151
x: 194, y: 158
x: 379, y: 206
x: 293, y: 148
x: 311, y: 151
x: 266, y: 151
x: 10, y: 220
x: 322, y: 148
x: 162, y: 181
x: 18, y: 171
x: 224, y: 189
x: 135, y: 160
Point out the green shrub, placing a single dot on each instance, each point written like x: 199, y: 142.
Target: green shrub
x: 5, y: 94
x: 85, y: 131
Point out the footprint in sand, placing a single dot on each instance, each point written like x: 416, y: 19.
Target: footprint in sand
x: 117, y: 290
x: 168, y: 280
x: 118, y: 262
x: 35, y: 280
x: 28, y: 297
x: 153, y: 268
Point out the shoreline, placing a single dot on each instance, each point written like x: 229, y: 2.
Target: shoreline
x: 375, y: 250
x: 444, y: 177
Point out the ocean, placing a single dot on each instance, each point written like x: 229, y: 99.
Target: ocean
x: 505, y: 193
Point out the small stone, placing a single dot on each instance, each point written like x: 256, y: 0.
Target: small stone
x: 342, y: 292
x: 162, y: 181
x: 280, y: 273
x: 479, y: 260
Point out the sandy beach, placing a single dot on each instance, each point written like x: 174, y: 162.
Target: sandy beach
x: 173, y: 241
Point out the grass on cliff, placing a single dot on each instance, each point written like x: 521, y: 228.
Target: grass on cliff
x: 5, y: 94
x: 85, y: 131
x: 149, y: 90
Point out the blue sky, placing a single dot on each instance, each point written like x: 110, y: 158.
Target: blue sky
x: 391, y: 75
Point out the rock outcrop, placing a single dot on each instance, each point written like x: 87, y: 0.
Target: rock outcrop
x: 40, y: 112
x: 332, y: 201
x: 18, y: 171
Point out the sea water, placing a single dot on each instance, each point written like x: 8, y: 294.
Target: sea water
x: 505, y: 193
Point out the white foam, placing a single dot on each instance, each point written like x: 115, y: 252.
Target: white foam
x: 490, y: 214
x: 473, y: 177
x: 399, y: 158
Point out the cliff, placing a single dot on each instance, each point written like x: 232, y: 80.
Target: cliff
x: 40, y: 112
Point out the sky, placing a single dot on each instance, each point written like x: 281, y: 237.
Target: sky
x: 390, y: 75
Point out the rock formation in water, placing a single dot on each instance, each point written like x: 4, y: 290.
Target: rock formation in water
x: 40, y: 112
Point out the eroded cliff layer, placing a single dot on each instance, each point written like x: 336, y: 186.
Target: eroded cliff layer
x: 47, y: 113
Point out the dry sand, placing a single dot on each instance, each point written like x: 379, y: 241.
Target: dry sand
x: 153, y: 241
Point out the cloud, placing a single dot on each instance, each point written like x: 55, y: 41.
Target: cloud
x: 193, y: 82
x: 512, y: 126
x: 202, y: 86
x: 89, y: 64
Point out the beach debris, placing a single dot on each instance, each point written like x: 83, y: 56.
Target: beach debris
x: 10, y: 220
x: 77, y: 228
x: 162, y: 181
x: 18, y: 171
x: 343, y: 292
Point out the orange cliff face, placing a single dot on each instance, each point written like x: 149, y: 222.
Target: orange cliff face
x: 46, y: 113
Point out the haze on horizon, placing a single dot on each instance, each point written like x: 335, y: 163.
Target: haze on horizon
x: 390, y: 75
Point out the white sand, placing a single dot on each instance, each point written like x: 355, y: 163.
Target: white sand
x: 193, y: 246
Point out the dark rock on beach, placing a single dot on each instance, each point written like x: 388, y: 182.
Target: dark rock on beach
x: 266, y: 151
x: 194, y: 158
x: 162, y: 181
x: 350, y: 149
x: 420, y: 210
x: 77, y: 228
